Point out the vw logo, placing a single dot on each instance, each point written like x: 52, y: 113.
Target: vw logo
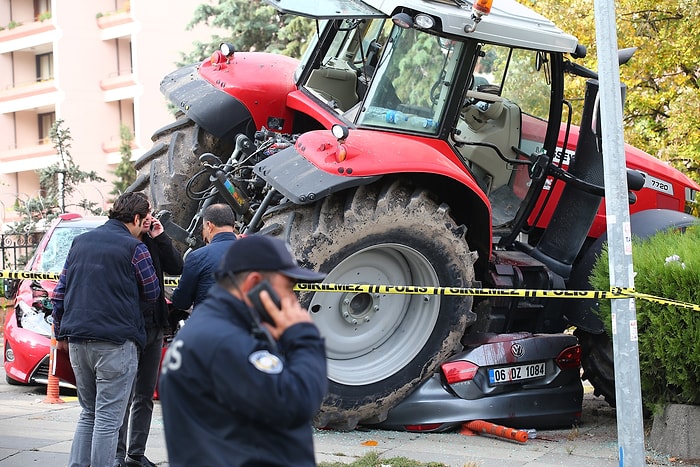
x: 517, y: 350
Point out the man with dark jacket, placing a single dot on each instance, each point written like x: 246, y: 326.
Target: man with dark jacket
x: 234, y: 390
x: 137, y: 420
x: 197, y: 277
x: 96, y: 315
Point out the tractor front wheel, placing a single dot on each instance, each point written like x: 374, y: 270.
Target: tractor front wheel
x: 380, y: 345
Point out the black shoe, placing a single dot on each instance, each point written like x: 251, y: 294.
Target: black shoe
x: 139, y: 462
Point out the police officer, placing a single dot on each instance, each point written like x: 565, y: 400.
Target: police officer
x: 236, y: 390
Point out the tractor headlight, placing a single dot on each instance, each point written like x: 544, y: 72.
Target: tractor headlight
x: 424, y: 21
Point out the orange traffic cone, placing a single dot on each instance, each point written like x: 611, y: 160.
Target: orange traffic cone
x: 52, y: 388
x: 487, y: 428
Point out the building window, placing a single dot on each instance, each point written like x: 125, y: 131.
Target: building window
x: 44, y: 66
x: 46, y: 121
x: 42, y: 9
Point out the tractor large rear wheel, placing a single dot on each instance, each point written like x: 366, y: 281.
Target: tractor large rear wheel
x: 380, y: 346
x: 598, y: 363
x: 164, y: 170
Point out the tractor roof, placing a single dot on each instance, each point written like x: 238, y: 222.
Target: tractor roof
x: 509, y: 23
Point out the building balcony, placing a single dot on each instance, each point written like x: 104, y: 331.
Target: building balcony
x: 111, y: 146
x: 26, y: 158
x: 28, y: 96
x: 27, y: 35
x: 114, y: 19
x: 28, y: 29
x: 28, y: 90
x: 117, y: 81
x: 112, y: 149
x: 117, y: 24
x: 119, y: 87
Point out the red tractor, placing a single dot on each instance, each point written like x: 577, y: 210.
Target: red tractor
x: 417, y: 143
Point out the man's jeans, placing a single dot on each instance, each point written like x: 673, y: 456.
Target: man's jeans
x: 104, y: 375
x: 138, y: 424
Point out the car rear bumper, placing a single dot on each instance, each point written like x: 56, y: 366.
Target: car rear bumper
x: 465, y: 390
x: 431, y: 403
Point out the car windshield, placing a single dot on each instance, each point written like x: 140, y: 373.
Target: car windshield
x: 54, y: 255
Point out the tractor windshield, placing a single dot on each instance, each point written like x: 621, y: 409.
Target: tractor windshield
x: 340, y: 75
x: 411, y: 82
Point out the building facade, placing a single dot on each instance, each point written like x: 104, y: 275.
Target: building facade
x: 95, y: 65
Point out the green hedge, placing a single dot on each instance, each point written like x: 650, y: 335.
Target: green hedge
x: 666, y: 265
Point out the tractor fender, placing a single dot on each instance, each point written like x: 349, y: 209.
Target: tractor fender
x: 204, y: 104
x: 248, y: 91
x: 582, y: 312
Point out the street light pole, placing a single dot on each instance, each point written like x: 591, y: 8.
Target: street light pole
x: 630, y: 427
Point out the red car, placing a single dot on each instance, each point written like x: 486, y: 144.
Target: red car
x: 27, y: 332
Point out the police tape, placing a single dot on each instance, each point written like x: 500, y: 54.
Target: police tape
x: 7, y: 274
x: 613, y: 293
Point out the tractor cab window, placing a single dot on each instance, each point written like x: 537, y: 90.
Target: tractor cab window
x: 341, y: 77
x: 412, y: 82
x: 506, y: 106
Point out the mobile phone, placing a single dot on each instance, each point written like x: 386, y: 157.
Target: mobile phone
x: 254, y: 297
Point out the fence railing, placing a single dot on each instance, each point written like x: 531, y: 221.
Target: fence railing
x: 18, y: 248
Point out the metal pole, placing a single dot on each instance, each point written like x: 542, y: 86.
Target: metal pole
x: 62, y: 187
x: 630, y: 427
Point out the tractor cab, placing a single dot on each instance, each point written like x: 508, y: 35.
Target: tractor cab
x: 498, y: 106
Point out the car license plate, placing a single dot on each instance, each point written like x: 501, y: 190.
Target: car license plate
x: 509, y: 374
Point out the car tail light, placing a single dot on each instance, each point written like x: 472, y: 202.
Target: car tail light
x: 569, y: 358
x: 459, y: 370
x: 423, y: 427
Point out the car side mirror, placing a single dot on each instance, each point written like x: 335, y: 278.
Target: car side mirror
x: 9, y: 288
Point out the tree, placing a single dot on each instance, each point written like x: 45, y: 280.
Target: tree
x: 293, y: 38
x: 662, y: 115
x: 125, y: 171
x: 253, y: 26
x: 57, y: 183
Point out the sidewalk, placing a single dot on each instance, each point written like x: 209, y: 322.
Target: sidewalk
x: 36, y: 433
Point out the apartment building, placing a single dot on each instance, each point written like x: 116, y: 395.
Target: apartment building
x: 94, y: 64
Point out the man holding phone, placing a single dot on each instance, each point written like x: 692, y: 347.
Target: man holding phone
x: 237, y: 388
x: 133, y: 434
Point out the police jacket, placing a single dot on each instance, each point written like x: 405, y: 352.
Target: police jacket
x: 228, y: 401
x: 165, y: 259
x: 198, y: 272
